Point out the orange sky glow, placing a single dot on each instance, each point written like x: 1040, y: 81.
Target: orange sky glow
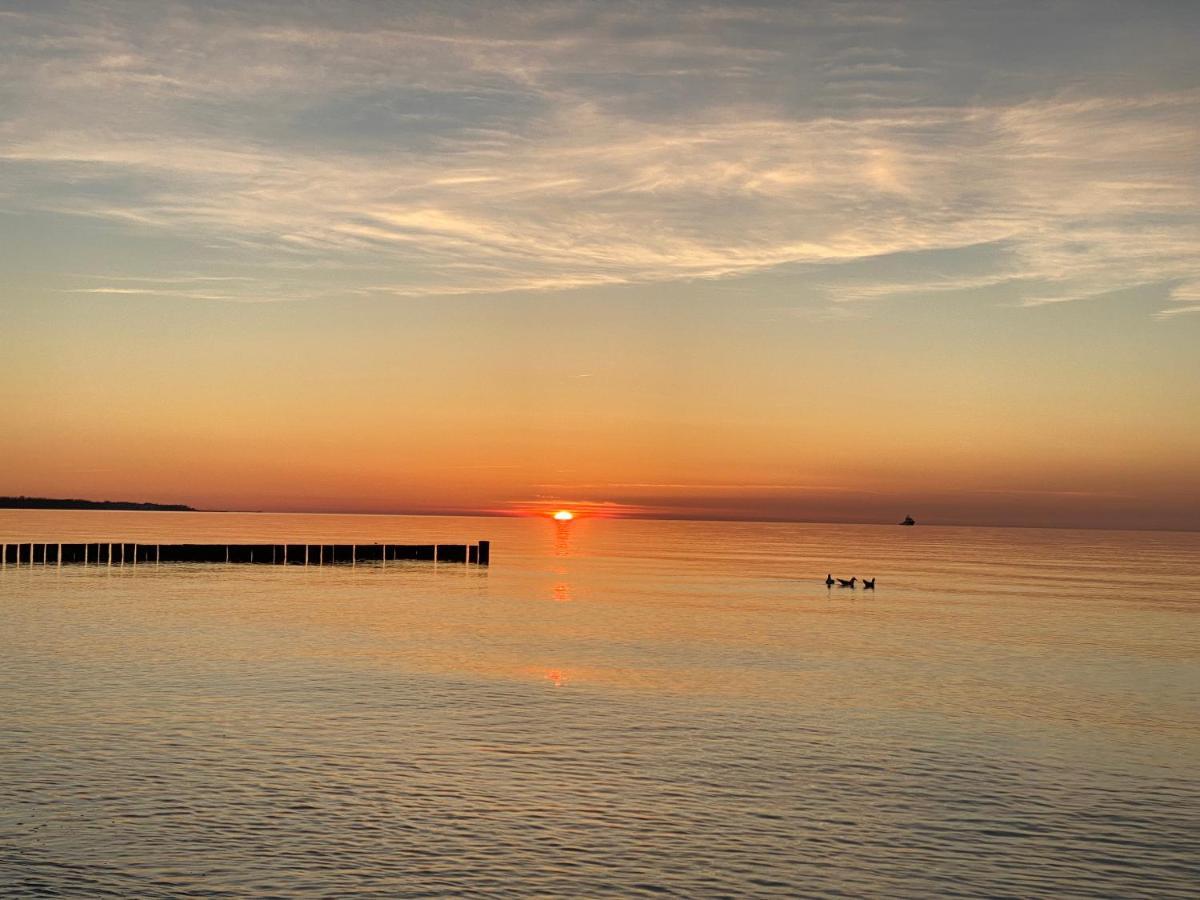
x: 512, y: 264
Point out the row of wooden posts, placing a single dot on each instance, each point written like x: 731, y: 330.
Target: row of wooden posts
x: 121, y: 554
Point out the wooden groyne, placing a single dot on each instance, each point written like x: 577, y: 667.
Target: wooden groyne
x: 108, y: 553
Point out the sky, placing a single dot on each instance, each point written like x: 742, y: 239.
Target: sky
x: 839, y: 261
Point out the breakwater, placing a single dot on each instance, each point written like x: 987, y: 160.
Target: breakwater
x: 122, y: 553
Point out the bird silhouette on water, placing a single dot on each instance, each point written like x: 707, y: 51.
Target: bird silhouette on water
x: 867, y: 583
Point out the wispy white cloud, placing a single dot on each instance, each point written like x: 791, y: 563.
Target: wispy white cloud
x: 1187, y: 296
x: 555, y: 146
x: 177, y: 279
x: 110, y: 290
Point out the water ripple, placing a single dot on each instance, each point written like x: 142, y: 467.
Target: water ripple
x: 702, y: 719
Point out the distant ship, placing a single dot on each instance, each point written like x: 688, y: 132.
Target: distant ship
x: 909, y: 520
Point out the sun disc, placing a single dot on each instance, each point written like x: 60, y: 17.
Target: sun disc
x: 564, y: 515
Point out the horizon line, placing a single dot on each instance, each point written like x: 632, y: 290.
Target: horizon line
x: 486, y: 514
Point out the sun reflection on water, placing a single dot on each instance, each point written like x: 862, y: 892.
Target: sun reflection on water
x: 562, y: 538
x: 561, y: 592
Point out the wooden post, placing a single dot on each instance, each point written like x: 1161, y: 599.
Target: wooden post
x: 110, y: 554
x: 353, y: 555
x: 321, y: 555
x: 158, y: 553
x: 59, y: 555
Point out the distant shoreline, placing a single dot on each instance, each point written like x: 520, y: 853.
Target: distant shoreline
x: 123, y: 505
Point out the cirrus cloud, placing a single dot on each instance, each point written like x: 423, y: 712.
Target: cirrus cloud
x: 557, y: 146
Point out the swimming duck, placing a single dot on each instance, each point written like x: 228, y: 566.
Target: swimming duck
x: 842, y: 582
x: 869, y: 584
x: 829, y: 580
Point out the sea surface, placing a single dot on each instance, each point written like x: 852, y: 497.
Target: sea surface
x: 613, y: 708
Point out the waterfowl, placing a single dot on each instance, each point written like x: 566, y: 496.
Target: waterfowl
x: 842, y: 582
x: 869, y: 584
x: 829, y: 580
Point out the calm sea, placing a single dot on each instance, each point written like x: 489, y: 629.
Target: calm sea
x: 613, y: 708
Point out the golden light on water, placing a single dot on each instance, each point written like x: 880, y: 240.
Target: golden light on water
x: 564, y: 515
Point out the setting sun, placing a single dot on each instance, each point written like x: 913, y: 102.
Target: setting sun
x: 564, y: 515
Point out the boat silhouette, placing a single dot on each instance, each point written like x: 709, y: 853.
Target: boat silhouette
x: 909, y: 520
